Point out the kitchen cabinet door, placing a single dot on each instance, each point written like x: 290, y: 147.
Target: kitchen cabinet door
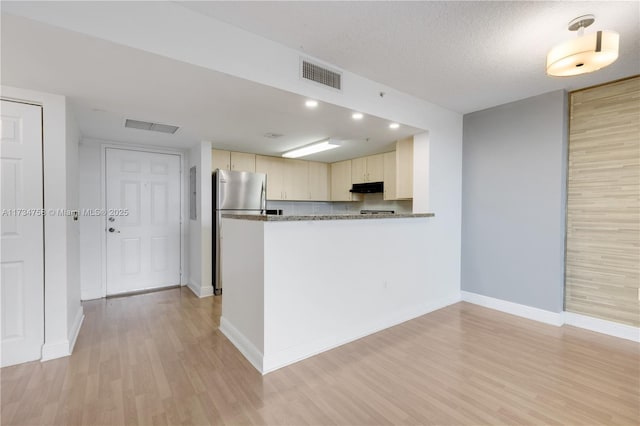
x: 274, y: 169
x: 319, y: 182
x: 375, y: 168
x: 389, y: 177
x: 243, y: 162
x: 220, y: 159
x: 296, y: 179
x: 341, y: 180
x: 404, y: 168
x: 359, y: 170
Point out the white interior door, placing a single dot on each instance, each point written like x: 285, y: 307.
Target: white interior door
x: 21, y: 234
x: 142, y: 221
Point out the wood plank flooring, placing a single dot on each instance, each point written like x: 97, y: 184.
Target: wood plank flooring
x: 159, y: 359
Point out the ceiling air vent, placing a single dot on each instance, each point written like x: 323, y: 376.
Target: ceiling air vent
x: 321, y: 75
x: 147, y: 125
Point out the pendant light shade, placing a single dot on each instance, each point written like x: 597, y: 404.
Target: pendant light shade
x: 584, y: 54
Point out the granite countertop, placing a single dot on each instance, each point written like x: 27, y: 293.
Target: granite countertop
x: 275, y: 218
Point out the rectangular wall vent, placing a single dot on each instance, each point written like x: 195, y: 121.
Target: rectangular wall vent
x: 147, y: 125
x: 321, y: 75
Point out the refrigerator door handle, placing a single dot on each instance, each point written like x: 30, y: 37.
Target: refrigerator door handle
x: 263, y: 196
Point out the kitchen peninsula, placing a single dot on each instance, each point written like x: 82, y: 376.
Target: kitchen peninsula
x: 295, y: 286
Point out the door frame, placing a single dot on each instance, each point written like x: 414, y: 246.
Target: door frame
x: 103, y: 204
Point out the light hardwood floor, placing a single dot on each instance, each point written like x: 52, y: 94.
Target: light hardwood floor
x: 159, y: 359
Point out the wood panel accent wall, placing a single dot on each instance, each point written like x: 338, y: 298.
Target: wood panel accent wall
x: 603, y: 203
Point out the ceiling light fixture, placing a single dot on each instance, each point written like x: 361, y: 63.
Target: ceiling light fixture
x: 357, y: 116
x: 323, y: 145
x: 311, y: 103
x: 584, y: 54
x: 394, y: 126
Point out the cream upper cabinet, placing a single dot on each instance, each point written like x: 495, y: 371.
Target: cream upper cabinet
x: 286, y: 179
x: 243, y: 162
x: 367, y: 169
x: 341, y: 180
x: 389, y: 177
x: 404, y: 168
x: 375, y: 168
x: 296, y: 179
x: 220, y: 159
x: 319, y: 181
x: 273, y: 167
x: 359, y: 170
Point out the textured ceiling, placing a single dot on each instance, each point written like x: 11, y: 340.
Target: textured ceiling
x: 464, y: 56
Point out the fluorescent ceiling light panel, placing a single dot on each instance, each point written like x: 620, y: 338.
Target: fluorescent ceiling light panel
x: 311, y: 103
x: 323, y: 145
x: 394, y: 126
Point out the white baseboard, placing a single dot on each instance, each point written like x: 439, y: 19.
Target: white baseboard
x: 75, y: 329
x: 292, y: 355
x: 200, y: 291
x: 64, y: 348
x: 239, y: 340
x: 598, y: 325
x: 91, y: 295
x: 529, y: 312
x: 55, y: 350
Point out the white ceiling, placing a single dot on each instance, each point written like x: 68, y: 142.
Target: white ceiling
x: 464, y: 56
x: 109, y: 82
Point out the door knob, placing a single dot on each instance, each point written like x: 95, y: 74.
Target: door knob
x: 113, y: 230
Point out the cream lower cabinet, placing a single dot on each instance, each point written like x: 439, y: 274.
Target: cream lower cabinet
x: 341, y: 181
x: 220, y: 159
x: 389, y: 177
x: 319, y: 181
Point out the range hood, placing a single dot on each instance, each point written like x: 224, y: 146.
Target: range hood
x: 367, y: 188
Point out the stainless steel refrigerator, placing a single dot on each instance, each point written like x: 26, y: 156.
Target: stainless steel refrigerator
x: 234, y: 192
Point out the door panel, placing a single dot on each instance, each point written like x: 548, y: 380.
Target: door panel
x: 13, y: 308
x: 21, y: 234
x: 143, y: 212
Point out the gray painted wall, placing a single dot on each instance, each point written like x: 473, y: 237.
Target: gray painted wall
x: 513, y: 201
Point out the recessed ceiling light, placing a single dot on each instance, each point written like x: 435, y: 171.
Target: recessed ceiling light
x: 394, y: 125
x: 357, y: 116
x: 311, y: 103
